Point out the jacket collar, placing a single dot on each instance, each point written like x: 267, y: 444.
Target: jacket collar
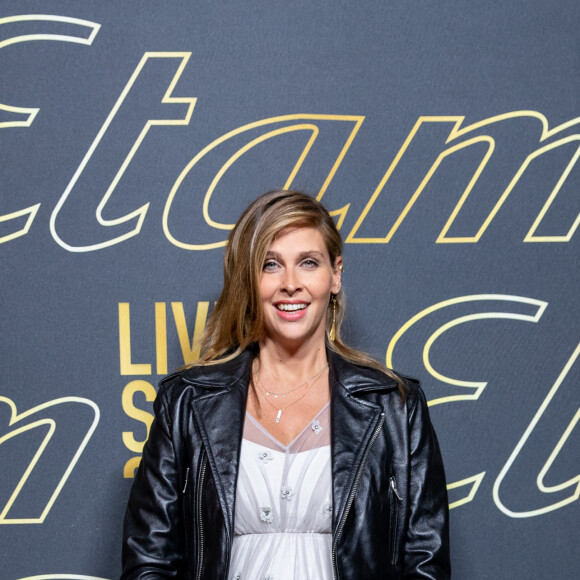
x: 357, y: 379
x: 353, y: 378
x: 223, y: 375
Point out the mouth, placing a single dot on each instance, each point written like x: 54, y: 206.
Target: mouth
x: 285, y: 307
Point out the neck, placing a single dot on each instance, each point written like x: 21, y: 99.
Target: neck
x: 290, y: 365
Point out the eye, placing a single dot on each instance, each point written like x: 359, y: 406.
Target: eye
x: 269, y: 265
x: 310, y: 263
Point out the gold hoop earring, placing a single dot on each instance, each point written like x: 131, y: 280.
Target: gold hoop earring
x: 332, y: 333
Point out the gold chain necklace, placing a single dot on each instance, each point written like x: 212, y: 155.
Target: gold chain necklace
x: 268, y: 392
x: 313, y: 378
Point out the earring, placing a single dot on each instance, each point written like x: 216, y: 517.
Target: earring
x: 332, y: 333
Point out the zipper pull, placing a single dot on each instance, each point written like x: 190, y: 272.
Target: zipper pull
x: 186, y: 480
x: 392, y: 483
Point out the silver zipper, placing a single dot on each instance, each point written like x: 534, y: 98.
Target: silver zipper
x: 186, y: 480
x: 352, y: 494
x: 393, y: 484
x: 394, y: 507
x: 200, y: 520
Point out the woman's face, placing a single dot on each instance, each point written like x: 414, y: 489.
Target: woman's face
x: 295, y: 285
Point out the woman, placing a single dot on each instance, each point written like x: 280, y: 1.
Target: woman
x: 283, y: 453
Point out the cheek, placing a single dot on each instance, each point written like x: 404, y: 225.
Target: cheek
x: 321, y: 288
x: 265, y: 288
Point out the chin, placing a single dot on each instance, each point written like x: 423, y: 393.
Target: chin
x: 296, y: 338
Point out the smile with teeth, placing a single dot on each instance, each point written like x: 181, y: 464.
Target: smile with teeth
x: 291, y: 307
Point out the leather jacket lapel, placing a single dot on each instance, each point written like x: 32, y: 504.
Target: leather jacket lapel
x: 357, y: 421
x: 224, y: 405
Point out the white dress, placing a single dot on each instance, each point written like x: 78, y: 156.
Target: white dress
x: 283, y: 513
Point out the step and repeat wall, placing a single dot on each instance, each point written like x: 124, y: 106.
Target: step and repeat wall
x: 444, y: 138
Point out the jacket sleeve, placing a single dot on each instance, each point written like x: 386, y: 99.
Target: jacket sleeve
x: 153, y: 528
x: 426, y: 553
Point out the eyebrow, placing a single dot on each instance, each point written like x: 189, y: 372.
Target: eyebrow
x: 310, y: 253
x: 301, y: 255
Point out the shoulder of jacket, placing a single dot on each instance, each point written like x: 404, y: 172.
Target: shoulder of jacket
x: 411, y: 384
x: 215, y: 376
x: 361, y: 378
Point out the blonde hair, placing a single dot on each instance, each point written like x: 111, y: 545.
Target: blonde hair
x: 237, y: 323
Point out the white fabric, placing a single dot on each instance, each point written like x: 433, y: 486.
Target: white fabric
x: 283, y: 511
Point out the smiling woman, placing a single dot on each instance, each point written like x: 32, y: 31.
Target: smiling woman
x: 285, y: 453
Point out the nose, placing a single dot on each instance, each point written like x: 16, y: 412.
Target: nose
x: 290, y: 282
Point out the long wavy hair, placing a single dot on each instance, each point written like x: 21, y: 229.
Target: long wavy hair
x: 237, y: 321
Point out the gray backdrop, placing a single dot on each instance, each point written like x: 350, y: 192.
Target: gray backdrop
x: 443, y: 136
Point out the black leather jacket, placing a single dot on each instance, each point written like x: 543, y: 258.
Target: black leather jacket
x: 390, y: 515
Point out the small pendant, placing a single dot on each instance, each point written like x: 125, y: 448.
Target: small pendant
x: 267, y: 394
x: 278, y: 415
x: 275, y: 396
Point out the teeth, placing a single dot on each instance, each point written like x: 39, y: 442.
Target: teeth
x: 291, y: 307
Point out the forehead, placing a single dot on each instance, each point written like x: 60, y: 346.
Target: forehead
x: 299, y: 239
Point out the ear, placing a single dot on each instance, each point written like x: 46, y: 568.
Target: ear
x: 337, y: 276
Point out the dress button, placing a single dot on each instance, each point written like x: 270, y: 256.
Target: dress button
x: 265, y: 455
x: 266, y: 514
